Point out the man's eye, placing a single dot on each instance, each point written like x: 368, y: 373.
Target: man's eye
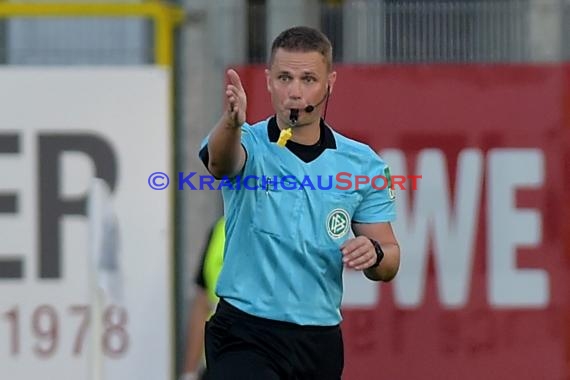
x: 309, y: 79
x: 284, y: 78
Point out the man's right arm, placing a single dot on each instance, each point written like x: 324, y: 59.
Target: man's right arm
x: 226, y: 154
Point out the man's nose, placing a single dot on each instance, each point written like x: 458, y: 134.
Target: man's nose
x: 295, y: 90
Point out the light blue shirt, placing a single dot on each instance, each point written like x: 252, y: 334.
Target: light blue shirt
x: 282, y: 255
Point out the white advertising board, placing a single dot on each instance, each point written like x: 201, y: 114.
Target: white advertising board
x: 59, y: 130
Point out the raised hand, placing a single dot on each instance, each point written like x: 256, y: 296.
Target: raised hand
x: 236, y: 100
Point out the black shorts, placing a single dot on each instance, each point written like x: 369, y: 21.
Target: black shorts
x: 241, y: 346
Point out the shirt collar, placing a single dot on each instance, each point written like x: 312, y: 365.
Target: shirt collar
x: 327, y: 138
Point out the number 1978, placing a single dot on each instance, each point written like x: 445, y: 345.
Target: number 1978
x: 45, y: 326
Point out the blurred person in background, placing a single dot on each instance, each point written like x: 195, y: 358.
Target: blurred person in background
x: 280, y: 287
x: 204, y: 302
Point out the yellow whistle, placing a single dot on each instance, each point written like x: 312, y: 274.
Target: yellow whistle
x: 284, y: 136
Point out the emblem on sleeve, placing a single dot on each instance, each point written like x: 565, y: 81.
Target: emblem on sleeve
x: 338, y: 223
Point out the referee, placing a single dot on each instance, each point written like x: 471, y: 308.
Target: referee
x: 280, y: 287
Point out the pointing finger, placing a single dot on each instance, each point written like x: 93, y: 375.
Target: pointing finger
x: 235, y: 79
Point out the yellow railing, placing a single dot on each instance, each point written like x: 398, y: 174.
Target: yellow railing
x: 165, y: 16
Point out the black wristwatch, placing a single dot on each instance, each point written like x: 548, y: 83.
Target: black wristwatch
x: 379, y: 253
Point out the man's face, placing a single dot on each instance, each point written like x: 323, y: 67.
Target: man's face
x: 296, y: 80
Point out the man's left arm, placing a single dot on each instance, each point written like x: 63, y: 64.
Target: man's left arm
x: 360, y: 253
x: 375, y: 249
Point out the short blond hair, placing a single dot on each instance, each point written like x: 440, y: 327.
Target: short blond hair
x: 303, y: 39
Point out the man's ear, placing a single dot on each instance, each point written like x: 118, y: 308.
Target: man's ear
x: 267, y: 79
x: 331, y: 80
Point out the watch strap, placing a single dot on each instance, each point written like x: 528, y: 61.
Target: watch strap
x: 379, y: 252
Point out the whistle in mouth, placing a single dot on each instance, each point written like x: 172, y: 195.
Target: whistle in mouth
x: 294, y: 117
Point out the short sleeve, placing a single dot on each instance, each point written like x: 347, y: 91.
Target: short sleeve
x: 379, y: 202
x: 249, y: 143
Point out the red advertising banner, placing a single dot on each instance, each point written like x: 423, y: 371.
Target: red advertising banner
x: 484, y: 286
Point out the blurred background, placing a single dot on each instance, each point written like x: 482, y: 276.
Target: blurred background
x: 97, y: 266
